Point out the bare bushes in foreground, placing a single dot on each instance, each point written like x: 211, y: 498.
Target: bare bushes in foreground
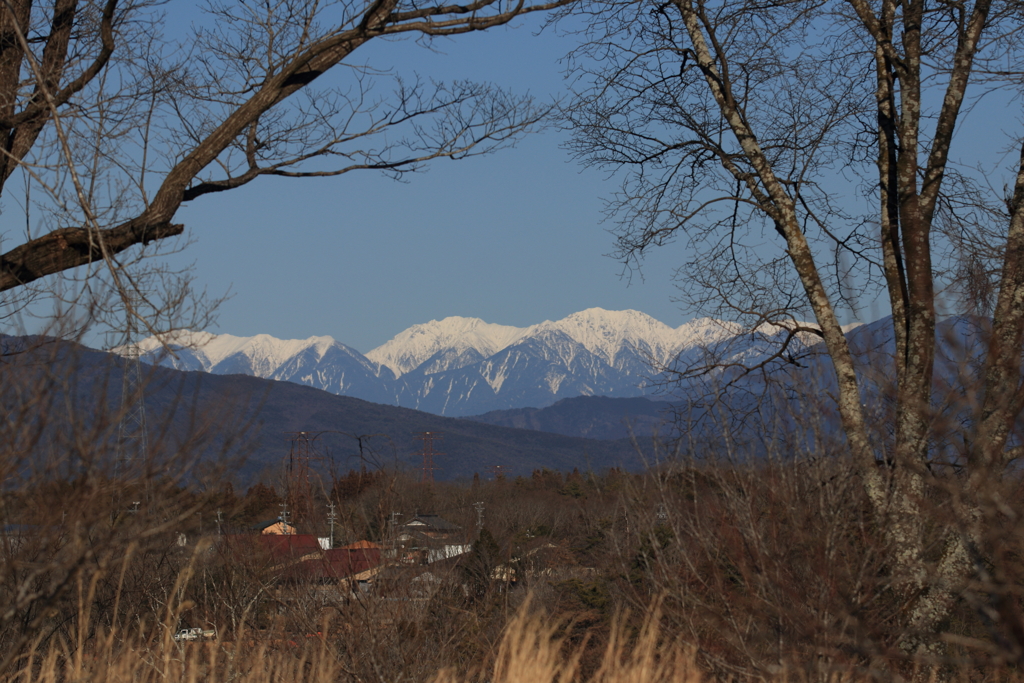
x: 760, y: 561
x: 533, y: 649
x: 768, y: 570
x: 776, y: 564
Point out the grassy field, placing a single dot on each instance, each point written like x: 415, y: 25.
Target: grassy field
x: 532, y: 649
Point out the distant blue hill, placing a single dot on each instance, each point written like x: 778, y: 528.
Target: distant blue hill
x: 243, y: 425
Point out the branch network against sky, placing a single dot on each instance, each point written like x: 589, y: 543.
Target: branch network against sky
x: 515, y: 237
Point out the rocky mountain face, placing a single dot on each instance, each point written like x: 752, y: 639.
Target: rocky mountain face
x: 465, y: 366
x: 587, y: 375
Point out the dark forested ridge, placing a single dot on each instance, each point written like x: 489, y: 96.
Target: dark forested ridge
x: 592, y: 417
x: 247, y: 422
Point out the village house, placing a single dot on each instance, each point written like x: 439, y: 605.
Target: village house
x: 429, y: 538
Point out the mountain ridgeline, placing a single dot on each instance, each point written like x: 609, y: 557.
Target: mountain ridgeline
x: 465, y: 366
x: 707, y: 370
x: 555, y: 378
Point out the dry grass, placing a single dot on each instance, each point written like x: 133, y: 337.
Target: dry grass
x: 770, y: 570
x: 532, y: 650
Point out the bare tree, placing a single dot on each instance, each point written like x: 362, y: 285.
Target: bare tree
x: 742, y: 129
x: 108, y: 129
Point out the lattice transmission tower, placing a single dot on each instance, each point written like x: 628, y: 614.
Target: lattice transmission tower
x: 132, y: 442
x: 302, y: 479
x: 428, y: 454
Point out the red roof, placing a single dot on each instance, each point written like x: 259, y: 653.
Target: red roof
x: 346, y: 561
x: 358, y: 545
x: 300, y: 557
x: 293, y: 546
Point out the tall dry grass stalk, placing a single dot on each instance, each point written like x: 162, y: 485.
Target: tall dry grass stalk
x: 166, y: 660
x: 531, y: 651
x: 535, y: 647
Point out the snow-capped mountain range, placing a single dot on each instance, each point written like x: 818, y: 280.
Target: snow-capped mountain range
x: 465, y: 366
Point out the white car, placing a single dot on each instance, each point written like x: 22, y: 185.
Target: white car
x: 193, y: 634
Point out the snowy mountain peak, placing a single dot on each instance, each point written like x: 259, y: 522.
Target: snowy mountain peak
x: 705, y: 331
x: 608, y: 333
x: 465, y: 366
x: 265, y: 353
x: 410, y: 348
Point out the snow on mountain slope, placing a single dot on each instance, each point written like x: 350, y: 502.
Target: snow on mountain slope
x: 320, y: 362
x: 706, y: 331
x: 537, y: 370
x: 263, y: 353
x: 609, y: 333
x: 465, y: 366
x: 409, y: 349
x: 339, y: 369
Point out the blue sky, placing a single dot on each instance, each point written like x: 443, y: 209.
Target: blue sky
x: 514, y: 238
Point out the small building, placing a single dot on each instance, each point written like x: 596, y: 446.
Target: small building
x: 300, y: 558
x: 426, y: 539
x: 433, y: 527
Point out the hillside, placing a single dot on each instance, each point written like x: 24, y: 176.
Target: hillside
x: 592, y: 417
x: 245, y: 422
x: 465, y: 366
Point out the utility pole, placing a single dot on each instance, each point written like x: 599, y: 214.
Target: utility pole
x: 479, y: 505
x: 284, y: 516
x: 331, y: 516
x: 393, y: 535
